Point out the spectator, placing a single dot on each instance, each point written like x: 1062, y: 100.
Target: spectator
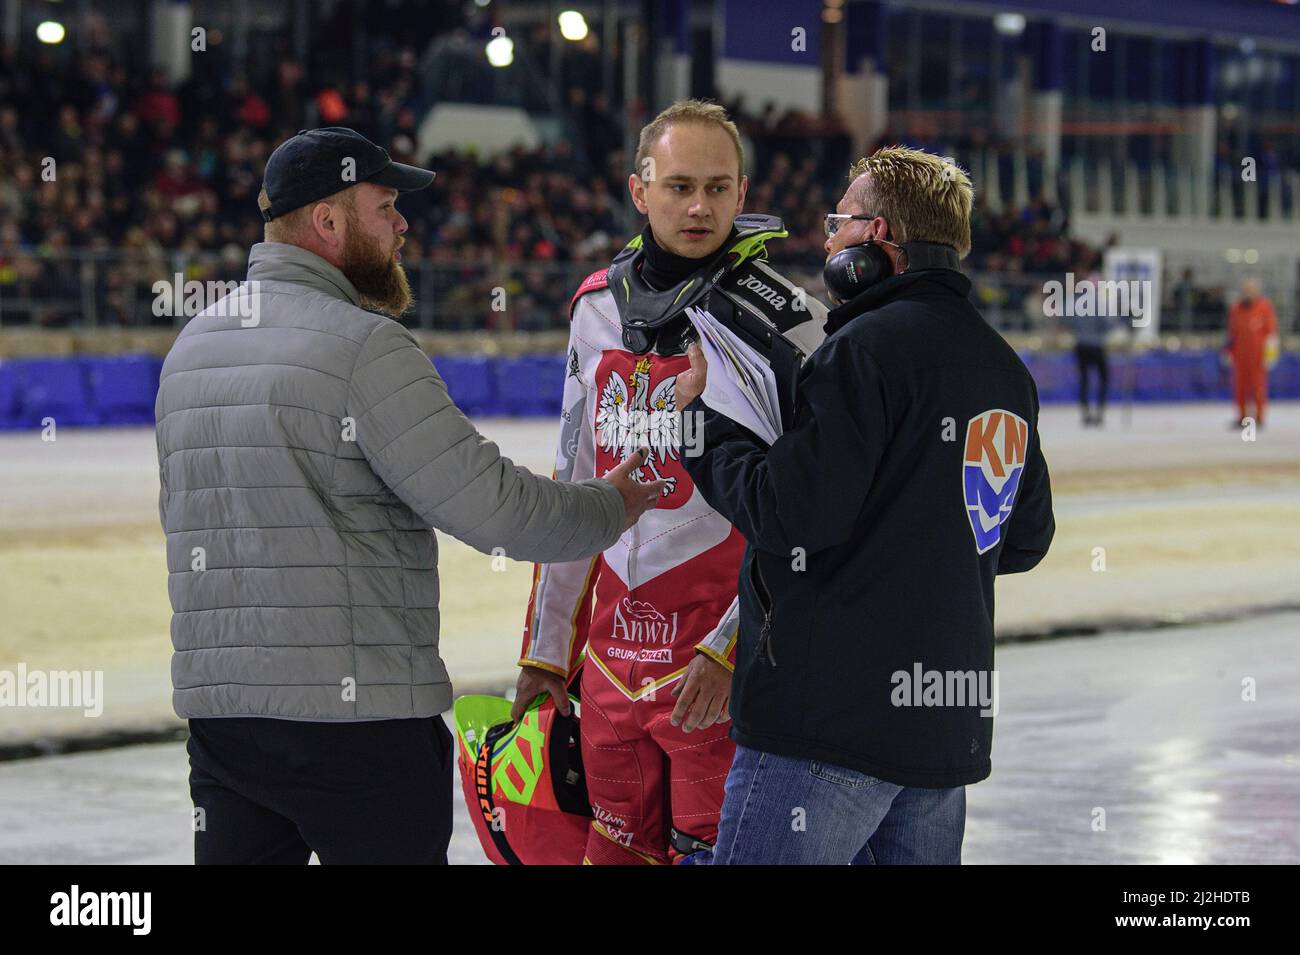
x: 1253, y: 349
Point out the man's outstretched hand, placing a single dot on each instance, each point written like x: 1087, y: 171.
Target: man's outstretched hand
x: 690, y: 383
x: 637, y: 497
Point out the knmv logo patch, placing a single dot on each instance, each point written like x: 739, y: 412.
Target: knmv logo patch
x: 991, y: 470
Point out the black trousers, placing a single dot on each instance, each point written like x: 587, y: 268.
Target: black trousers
x: 271, y: 792
x: 1091, y: 358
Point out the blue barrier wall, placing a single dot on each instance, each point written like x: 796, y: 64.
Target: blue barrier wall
x: 78, y: 390
x: 120, y: 389
x: 1156, y: 376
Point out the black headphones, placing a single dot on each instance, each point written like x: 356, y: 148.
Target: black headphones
x: 851, y: 271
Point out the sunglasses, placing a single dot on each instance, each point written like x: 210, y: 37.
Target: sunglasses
x: 836, y: 219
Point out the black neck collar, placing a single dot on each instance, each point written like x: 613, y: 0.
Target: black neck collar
x: 662, y: 269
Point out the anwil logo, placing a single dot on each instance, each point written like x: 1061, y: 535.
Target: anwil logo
x: 764, y: 291
x: 642, y: 623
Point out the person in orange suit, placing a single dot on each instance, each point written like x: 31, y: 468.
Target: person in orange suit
x: 1252, y: 348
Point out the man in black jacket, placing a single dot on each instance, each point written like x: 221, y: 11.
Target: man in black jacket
x: 864, y: 689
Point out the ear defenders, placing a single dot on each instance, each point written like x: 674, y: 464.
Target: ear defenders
x: 850, y: 272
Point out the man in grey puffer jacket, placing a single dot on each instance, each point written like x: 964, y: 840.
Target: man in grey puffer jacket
x: 306, y: 446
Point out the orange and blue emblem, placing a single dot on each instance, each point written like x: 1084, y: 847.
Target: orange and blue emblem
x: 992, y: 467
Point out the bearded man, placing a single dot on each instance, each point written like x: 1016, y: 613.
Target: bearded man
x: 306, y: 447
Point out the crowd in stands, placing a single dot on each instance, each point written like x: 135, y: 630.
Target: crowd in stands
x: 114, y: 179
x: 114, y: 170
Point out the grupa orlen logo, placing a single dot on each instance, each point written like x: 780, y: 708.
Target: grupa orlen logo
x: 992, y: 466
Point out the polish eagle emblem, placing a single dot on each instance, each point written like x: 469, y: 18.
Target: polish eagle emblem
x: 631, y: 416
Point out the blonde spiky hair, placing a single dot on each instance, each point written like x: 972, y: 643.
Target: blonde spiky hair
x: 925, y: 198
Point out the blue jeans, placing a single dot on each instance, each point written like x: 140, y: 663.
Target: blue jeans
x: 788, y: 811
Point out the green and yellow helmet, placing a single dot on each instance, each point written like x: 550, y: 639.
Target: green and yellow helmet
x: 523, y: 781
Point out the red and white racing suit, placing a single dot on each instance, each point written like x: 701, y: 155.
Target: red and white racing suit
x: 643, y: 608
x: 663, y: 593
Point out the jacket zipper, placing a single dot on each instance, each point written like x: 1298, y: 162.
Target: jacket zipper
x: 765, y: 635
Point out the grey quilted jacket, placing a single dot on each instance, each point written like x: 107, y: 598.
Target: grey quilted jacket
x: 303, y: 460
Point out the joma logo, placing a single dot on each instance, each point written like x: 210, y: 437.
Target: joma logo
x: 763, y: 291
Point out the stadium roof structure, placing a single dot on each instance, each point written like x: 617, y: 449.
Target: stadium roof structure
x: 1272, y: 21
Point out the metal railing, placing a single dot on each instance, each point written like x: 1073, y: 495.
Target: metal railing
x: 121, y: 289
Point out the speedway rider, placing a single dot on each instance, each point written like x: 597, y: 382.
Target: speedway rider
x: 656, y: 613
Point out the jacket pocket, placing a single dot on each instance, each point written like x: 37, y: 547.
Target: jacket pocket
x: 765, y: 603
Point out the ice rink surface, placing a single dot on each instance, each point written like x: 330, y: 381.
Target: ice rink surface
x: 1146, y: 734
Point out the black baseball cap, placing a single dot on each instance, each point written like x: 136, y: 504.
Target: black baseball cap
x: 312, y: 165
